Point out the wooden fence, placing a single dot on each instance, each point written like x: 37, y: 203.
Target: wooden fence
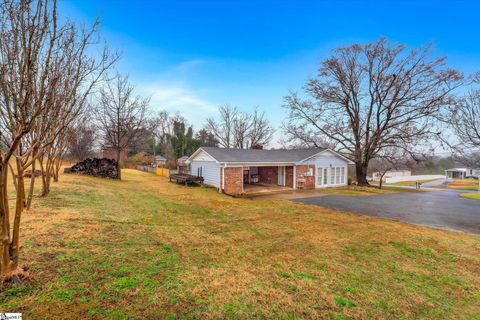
x: 146, y: 168
x: 163, y: 172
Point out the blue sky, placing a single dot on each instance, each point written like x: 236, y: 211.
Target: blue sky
x: 191, y: 56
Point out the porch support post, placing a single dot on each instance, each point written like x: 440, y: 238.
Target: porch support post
x: 243, y: 182
x: 222, y: 186
x: 294, y: 177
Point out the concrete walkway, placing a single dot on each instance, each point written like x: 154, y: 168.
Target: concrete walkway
x: 440, y: 208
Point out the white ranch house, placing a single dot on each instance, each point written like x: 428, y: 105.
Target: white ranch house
x: 240, y: 171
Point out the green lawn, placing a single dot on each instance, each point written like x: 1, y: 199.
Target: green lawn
x: 356, y: 191
x: 471, y: 195
x: 366, y: 191
x: 410, y: 183
x: 144, y: 248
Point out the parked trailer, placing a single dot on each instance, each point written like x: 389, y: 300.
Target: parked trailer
x: 185, y: 178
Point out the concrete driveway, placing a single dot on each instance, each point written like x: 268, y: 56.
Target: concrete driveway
x: 443, y: 209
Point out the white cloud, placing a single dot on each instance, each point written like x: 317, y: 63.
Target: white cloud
x: 181, y: 99
x: 171, y: 90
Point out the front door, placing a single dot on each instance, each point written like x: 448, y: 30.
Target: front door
x: 281, y: 176
x: 322, y: 177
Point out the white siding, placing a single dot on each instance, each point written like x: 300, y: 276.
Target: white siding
x: 210, y: 171
x: 328, y: 160
x: 203, y: 156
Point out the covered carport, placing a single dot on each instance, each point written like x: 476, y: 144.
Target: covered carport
x: 267, y: 178
x: 456, y: 173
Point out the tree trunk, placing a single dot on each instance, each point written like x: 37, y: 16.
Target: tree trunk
x: 32, y: 185
x: 19, y: 207
x: 14, y: 177
x: 118, y: 165
x: 45, y: 178
x: 361, y: 173
x: 57, y: 166
x: 5, y: 266
x: 46, y: 185
x: 54, y: 174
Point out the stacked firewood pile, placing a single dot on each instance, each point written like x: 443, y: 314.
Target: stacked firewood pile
x: 103, y: 168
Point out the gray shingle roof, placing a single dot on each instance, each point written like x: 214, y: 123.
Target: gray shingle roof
x: 255, y: 155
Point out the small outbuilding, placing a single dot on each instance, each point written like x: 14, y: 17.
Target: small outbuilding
x: 183, y: 165
x: 241, y: 171
x: 462, y: 173
x: 160, y: 161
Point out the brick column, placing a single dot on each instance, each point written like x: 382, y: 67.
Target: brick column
x: 233, y: 180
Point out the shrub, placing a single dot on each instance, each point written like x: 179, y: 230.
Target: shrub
x: 141, y: 158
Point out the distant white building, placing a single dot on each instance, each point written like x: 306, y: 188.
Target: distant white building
x: 462, y: 173
x: 391, y: 174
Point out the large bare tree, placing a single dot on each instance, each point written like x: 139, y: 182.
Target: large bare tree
x: 120, y: 114
x: 465, y: 120
x: 371, y: 97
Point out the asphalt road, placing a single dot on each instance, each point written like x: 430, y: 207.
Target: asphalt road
x: 443, y: 209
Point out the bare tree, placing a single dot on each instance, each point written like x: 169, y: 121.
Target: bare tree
x: 120, y: 115
x: 235, y: 129
x: 223, y: 128
x: 465, y: 119
x: 27, y: 43
x: 370, y: 97
x: 242, y: 125
x: 81, y: 140
x: 395, y: 159
x: 261, y: 132
x: 45, y: 73
x: 162, y: 127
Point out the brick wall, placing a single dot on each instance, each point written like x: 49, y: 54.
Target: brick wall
x: 233, y: 180
x: 289, y: 176
x: 309, y: 181
x: 268, y: 175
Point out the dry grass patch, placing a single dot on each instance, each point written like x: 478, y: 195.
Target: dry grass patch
x: 146, y: 249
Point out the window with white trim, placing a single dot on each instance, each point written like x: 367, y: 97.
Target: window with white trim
x: 337, y: 175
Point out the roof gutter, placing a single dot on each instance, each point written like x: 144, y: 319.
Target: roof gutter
x: 273, y: 164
